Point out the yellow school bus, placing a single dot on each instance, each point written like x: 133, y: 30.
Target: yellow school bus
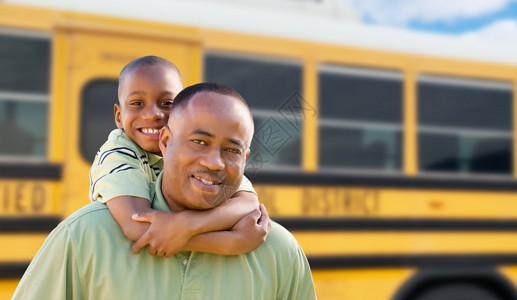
x: 394, y: 166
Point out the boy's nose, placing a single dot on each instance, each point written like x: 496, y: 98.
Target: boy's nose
x: 154, y: 113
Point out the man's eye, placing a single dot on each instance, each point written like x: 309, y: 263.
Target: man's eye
x: 200, y: 142
x: 234, y: 151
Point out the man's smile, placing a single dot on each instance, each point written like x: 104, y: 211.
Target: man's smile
x: 207, y: 181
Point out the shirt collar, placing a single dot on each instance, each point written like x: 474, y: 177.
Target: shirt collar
x: 158, y: 201
x: 153, y: 158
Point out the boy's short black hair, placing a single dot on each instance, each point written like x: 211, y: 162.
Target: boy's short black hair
x: 149, y: 60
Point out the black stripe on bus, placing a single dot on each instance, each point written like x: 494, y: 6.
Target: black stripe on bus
x: 351, y: 224
x: 31, y: 171
x: 16, y: 270
x: 420, y: 261
x: 12, y: 270
x: 316, y: 179
x: 28, y: 224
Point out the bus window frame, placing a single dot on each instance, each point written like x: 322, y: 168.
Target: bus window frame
x: 368, y: 72
x: 473, y: 82
x: 24, y: 97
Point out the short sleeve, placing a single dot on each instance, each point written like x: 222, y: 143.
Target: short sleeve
x: 117, y: 171
x: 246, y: 186
x: 296, y: 280
x: 54, y: 272
x: 300, y: 285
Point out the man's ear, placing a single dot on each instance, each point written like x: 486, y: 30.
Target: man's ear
x: 118, y: 120
x: 164, y: 139
x: 247, y: 154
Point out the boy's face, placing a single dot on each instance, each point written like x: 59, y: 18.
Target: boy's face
x: 204, y: 149
x: 145, y: 97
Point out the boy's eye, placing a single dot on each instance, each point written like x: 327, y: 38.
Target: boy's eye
x: 136, y: 103
x: 166, y: 103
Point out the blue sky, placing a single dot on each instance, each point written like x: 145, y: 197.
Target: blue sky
x: 486, y: 20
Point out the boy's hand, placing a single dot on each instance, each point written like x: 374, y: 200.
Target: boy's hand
x: 166, y: 235
x: 251, y: 231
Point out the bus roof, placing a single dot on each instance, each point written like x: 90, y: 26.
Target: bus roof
x: 324, y: 21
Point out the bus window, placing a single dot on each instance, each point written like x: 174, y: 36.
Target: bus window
x: 267, y: 85
x: 97, y: 120
x: 360, y: 124
x: 24, y: 96
x: 465, y: 126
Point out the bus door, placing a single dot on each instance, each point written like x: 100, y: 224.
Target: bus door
x: 95, y: 57
x: 29, y: 177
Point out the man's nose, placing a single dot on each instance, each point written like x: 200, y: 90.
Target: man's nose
x: 153, y: 113
x: 212, y: 160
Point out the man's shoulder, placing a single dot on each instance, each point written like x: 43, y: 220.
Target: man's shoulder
x: 92, y: 225
x: 91, y: 214
x: 280, y: 239
x: 280, y: 233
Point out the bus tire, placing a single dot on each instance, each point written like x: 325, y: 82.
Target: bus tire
x: 457, y: 291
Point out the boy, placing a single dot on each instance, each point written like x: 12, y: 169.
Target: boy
x: 130, y: 160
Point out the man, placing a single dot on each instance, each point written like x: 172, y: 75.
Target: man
x: 204, y: 148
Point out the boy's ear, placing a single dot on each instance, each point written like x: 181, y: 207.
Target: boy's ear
x: 164, y: 139
x: 118, y: 119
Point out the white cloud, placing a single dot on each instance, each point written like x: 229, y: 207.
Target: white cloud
x: 501, y: 31
x: 401, y: 12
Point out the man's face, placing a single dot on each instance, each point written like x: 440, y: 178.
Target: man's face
x: 145, y: 96
x: 205, y: 148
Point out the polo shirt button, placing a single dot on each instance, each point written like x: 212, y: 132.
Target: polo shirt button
x: 185, y: 262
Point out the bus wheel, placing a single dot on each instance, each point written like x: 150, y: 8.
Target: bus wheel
x: 457, y: 291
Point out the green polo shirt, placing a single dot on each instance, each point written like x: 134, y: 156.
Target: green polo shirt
x: 87, y: 256
x: 122, y: 168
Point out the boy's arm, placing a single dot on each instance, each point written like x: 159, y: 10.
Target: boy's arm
x: 118, y: 179
x: 249, y: 233
x: 226, y: 215
x: 122, y: 208
x: 222, y: 217
x: 170, y: 231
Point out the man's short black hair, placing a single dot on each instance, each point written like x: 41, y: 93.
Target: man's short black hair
x: 186, y: 94
x: 149, y: 60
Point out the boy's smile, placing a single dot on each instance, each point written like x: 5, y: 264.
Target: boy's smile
x: 150, y: 131
x: 145, y: 97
